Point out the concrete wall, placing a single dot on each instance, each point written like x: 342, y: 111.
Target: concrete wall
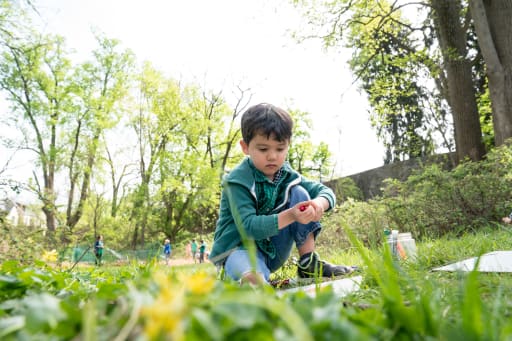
x: 370, y: 181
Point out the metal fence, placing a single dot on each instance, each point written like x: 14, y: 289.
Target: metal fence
x: 85, y: 253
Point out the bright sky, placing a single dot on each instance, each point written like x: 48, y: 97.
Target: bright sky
x: 222, y: 43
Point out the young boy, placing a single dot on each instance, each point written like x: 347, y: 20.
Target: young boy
x: 266, y: 200
x: 167, y: 251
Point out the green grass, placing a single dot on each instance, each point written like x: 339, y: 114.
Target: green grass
x: 414, y: 301
x: 398, y: 300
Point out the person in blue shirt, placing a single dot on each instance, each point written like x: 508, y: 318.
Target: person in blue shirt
x: 167, y: 251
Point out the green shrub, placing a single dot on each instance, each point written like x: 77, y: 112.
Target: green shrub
x: 21, y: 243
x: 431, y: 203
x: 346, y: 188
x: 367, y: 220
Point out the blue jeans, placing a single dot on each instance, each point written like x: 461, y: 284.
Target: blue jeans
x: 238, y: 262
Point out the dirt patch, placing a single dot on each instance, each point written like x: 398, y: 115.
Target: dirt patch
x: 181, y: 261
x: 173, y: 262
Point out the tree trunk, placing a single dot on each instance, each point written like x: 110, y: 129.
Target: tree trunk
x: 50, y: 219
x: 135, y: 236
x: 74, y: 218
x: 493, y: 26
x: 48, y: 164
x: 461, y: 95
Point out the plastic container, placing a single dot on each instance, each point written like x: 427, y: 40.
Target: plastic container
x: 392, y: 238
x: 394, y: 242
x: 402, y: 245
x: 407, y: 244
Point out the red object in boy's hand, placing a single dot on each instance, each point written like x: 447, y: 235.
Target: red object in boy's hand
x: 303, y: 208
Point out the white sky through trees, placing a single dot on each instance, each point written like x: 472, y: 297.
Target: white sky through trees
x: 219, y: 44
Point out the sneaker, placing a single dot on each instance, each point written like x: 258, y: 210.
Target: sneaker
x: 310, y: 266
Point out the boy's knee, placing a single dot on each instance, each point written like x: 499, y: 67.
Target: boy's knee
x: 298, y: 194
x: 299, y: 190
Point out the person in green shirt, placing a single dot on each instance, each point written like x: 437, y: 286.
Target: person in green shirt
x: 193, y: 249
x: 266, y: 200
x: 202, y: 250
x: 98, y: 249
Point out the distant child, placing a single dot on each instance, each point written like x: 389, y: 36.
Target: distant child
x: 202, y: 249
x: 188, y: 251
x: 167, y: 251
x: 98, y: 249
x: 271, y: 203
x: 193, y: 248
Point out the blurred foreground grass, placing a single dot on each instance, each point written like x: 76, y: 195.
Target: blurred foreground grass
x: 150, y: 301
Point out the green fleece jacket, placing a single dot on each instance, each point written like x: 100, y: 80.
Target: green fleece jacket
x: 239, y: 207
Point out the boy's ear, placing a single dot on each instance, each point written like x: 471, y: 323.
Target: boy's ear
x: 245, y: 147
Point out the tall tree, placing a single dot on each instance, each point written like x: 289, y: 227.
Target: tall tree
x: 35, y: 73
x: 450, y: 75
x: 196, y: 155
x: 118, y: 172
x: 169, y: 130
x: 452, y: 32
x: 391, y: 71
x: 153, y: 125
x: 100, y: 86
x: 493, y: 26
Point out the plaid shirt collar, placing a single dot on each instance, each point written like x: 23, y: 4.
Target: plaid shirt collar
x: 278, y: 176
x: 260, y: 177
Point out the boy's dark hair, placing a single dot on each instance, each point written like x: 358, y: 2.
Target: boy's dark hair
x: 266, y: 119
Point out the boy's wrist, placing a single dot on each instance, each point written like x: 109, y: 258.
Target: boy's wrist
x: 285, y: 218
x: 323, y: 202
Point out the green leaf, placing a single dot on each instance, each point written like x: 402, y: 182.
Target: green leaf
x: 42, y: 311
x: 11, y: 324
x: 7, y: 279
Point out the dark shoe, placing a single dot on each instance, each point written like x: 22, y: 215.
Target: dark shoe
x: 310, y: 266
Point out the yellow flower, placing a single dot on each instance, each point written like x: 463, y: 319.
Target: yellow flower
x: 164, y: 317
x: 199, y: 283
x: 49, y: 256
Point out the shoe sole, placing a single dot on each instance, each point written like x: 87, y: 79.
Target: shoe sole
x: 351, y: 270
x: 310, y: 280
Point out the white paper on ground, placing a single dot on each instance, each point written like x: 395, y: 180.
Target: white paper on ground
x: 496, y: 261
x: 341, y: 287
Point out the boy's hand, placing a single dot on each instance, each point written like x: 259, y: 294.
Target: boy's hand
x: 320, y: 205
x: 308, y: 211
x: 303, y: 213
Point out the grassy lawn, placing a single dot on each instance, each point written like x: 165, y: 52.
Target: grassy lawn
x: 397, y: 300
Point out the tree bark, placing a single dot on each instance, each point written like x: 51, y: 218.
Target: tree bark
x: 493, y: 26
x: 461, y: 95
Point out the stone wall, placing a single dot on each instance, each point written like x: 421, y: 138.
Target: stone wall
x: 370, y: 181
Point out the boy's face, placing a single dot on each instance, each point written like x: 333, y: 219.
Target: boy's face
x: 268, y: 155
